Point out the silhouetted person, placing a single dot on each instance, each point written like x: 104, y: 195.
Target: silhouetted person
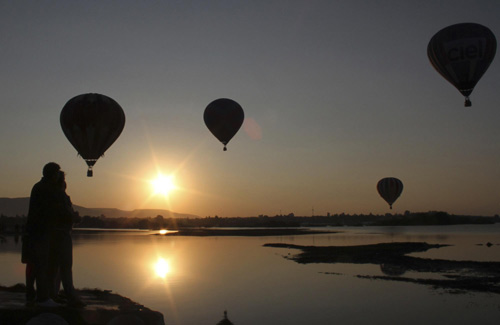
x: 43, y: 203
x: 61, y: 246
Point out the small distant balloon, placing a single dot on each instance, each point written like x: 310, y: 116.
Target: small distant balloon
x: 390, y: 189
x: 462, y: 53
x: 223, y: 117
x: 92, y: 123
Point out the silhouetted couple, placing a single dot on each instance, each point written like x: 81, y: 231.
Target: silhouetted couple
x: 47, y: 244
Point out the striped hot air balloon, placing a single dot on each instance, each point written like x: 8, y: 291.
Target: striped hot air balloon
x: 390, y: 189
x: 462, y: 53
x: 92, y: 123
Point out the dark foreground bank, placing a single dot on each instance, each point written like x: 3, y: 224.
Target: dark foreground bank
x: 103, y: 307
x: 395, y: 261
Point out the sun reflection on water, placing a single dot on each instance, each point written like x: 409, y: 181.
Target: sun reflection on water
x: 167, y: 232
x: 162, y: 268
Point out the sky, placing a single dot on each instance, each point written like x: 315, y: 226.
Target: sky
x: 336, y: 94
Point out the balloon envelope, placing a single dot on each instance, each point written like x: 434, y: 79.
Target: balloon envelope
x: 462, y: 53
x: 223, y: 117
x: 390, y: 189
x: 92, y: 123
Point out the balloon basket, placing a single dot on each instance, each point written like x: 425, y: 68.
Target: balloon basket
x: 468, y: 103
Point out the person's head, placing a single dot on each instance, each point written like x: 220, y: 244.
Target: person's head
x: 51, y: 171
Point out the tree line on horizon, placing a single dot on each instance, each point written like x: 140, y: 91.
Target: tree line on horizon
x: 16, y: 224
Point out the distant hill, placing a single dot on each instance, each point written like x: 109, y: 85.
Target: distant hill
x: 14, y: 207
x: 19, y: 206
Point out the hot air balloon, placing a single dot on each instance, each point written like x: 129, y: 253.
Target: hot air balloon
x: 92, y: 123
x: 462, y: 53
x: 224, y: 117
x: 390, y: 189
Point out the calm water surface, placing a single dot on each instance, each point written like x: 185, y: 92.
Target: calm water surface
x: 192, y: 280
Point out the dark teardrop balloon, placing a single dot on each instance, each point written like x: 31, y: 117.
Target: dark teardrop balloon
x: 223, y: 117
x: 462, y: 53
x: 390, y: 188
x: 92, y: 123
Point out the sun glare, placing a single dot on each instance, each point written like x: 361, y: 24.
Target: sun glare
x: 163, y: 185
x: 162, y: 267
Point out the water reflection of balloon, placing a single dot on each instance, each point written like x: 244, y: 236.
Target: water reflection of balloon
x: 223, y: 117
x: 92, y: 123
x: 462, y: 53
x: 390, y: 189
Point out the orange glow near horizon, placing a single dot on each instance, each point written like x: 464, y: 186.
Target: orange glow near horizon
x: 163, y: 184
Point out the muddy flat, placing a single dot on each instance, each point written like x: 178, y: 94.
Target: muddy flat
x: 394, y: 261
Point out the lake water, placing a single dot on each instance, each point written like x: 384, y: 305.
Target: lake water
x: 203, y: 276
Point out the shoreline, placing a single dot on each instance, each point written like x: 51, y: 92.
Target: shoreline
x: 247, y: 232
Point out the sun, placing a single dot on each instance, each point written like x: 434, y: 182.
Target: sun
x: 163, y: 184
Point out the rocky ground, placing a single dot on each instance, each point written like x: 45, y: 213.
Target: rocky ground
x: 103, y: 307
